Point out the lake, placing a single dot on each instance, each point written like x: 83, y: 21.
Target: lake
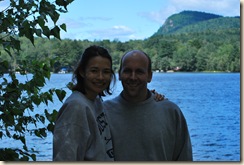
x: 210, y: 103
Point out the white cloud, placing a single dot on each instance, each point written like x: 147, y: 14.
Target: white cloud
x: 124, y: 33
x: 220, y: 7
x: 97, y: 18
x: 74, y: 23
x: 117, y: 31
x: 159, y: 16
x: 81, y: 22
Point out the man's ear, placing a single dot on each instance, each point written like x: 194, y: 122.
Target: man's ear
x: 150, y: 74
x: 119, y: 74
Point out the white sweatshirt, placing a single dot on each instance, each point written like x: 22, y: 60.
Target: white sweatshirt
x: 81, y: 131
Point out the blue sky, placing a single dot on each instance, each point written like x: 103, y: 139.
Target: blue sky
x: 131, y: 19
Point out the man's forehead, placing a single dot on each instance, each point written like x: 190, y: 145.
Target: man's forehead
x: 135, y: 61
x: 135, y: 53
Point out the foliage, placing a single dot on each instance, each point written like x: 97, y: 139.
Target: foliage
x: 200, y: 51
x: 213, y: 25
x: 192, y: 48
x: 18, y: 100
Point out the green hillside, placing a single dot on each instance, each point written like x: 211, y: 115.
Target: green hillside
x: 194, y: 21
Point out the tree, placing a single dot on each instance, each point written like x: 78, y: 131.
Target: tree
x: 185, y: 57
x: 204, y: 53
x: 17, y: 99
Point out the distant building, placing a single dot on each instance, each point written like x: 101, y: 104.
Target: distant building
x: 177, y: 69
x: 65, y: 69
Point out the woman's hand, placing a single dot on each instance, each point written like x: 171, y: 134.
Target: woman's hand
x: 158, y: 97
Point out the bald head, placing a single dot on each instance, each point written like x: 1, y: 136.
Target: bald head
x: 140, y: 55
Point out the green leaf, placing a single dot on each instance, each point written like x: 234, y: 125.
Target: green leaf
x: 8, y: 154
x: 63, y: 26
x: 54, y: 16
x: 59, y: 2
x: 46, y: 31
x: 22, y: 138
x: 41, y: 21
x: 51, y: 117
x: 61, y: 94
x: 33, y: 156
x: 38, y: 32
x: 40, y: 118
x: 36, y: 100
x: 4, y: 64
x: 28, y: 31
x: 56, y: 32
x: 70, y: 85
x: 15, y: 43
x: 37, y: 133
x: 1, y: 135
x: 63, y: 3
x: 43, y: 132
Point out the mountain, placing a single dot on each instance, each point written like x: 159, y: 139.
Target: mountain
x: 195, y: 21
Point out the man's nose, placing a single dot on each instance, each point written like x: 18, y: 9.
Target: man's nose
x: 133, y: 75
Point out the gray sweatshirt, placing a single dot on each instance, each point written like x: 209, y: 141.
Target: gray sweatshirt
x: 148, y: 130
x: 81, y: 131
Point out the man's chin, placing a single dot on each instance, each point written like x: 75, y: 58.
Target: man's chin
x: 132, y: 93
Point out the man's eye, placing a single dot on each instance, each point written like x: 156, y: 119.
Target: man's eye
x: 93, y: 70
x: 126, y: 71
x: 140, y: 72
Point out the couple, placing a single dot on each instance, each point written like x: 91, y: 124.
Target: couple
x: 131, y: 127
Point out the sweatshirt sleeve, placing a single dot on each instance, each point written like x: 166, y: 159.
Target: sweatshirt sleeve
x: 183, y: 147
x: 71, y: 133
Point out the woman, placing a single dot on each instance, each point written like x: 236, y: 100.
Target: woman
x: 81, y: 130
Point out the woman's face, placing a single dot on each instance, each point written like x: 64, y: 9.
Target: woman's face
x: 97, y: 76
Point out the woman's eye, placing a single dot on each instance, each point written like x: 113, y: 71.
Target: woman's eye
x: 107, y: 72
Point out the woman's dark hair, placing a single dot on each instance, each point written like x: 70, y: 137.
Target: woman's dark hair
x: 88, y: 54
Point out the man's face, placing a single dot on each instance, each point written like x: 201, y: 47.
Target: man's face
x: 134, y: 76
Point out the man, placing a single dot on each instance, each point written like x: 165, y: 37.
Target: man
x: 142, y: 128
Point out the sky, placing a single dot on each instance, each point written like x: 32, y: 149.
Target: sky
x: 125, y: 20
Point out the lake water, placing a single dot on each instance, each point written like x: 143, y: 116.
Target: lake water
x: 210, y: 103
